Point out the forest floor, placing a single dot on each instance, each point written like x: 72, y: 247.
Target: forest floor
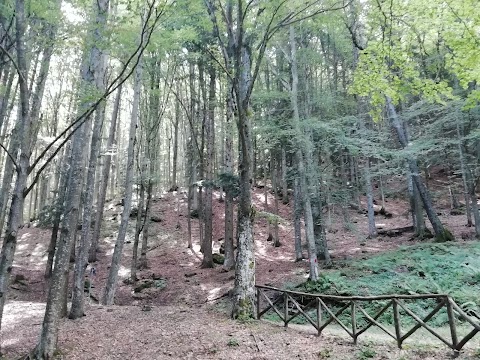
x: 184, y: 315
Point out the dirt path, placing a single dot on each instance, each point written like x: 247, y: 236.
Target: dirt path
x: 176, y: 332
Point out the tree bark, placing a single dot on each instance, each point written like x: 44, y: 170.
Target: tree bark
x: 99, y: 72
x: 307, y: 207
x: 109, y: 293
x: 465, y: 178
x: 174, y: 184
x: 441, y: 234
x: 244, y: 289
x: 143, y: 264
x: 229, y: 262
x: 49, y: 335
x: 297, y: 214
x: 283, y: 178
x: 207, y: 261
x: 138, y: 228
x: 372, y: 230
x: 18, y: 197
x: 92, y: 257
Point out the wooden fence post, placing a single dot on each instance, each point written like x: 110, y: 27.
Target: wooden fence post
x: 319, y: 316
x: 258, y: 303
x: 354, y: 323
x: 451, y: 323
x: 318, y: 303
x: 396, y: 322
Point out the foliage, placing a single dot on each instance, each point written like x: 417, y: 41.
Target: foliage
x: 325, y: 354
x: 230, y: 183
x: 270, y: 217
x: 48, y: 214
x: 233, y: 342
x: 428, y: 268
x: 366, y: 353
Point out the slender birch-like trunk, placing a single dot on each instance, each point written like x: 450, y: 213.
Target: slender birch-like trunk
x: 110, y: 286
x: 102, y: 193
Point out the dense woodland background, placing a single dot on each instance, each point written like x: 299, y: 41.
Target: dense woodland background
x: 331, y: 106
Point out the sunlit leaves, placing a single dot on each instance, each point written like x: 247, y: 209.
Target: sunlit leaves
x: 406, y: 54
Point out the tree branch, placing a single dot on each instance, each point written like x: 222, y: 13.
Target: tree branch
x: 11, y: 157
x: 14, y: 63
x: 82, y: 118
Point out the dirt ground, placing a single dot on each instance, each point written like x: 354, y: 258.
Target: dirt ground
x: 180, y: 332
x: 186, y: 318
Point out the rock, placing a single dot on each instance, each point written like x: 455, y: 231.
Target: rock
x: 218, y: 259
x: 156, y: 277
x: 144, y: 284
x: 19, y: 279
x: 190, y: 274
x: 457, y: 212
x: 156, y: 218
x: 140, y: 296
x: 134, y: 212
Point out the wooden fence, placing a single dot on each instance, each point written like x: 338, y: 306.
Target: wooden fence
x: 289, y: 305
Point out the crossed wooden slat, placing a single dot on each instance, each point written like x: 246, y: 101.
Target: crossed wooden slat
x: 318, y: 302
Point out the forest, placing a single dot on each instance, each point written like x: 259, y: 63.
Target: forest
x: 169, y: 167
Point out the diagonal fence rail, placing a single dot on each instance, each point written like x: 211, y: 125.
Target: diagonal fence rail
x: 322, y: 310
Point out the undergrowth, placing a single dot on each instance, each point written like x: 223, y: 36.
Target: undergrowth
x: 452, y: 269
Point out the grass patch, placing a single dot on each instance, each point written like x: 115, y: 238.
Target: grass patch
x: 452, y: 269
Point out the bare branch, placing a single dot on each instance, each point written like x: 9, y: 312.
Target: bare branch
x: 111, y: 88
x: 189, y: 117
x: 11, y: 157
x: 216, y: 33
x: 119, y: 80
x: 14, y: 63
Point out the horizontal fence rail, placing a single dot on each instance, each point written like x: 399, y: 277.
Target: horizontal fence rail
x: 322, y: 310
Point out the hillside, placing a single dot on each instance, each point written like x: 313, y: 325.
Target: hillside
x: 185, y: 312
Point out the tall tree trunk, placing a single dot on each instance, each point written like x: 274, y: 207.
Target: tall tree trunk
x: 297, y: 196
x: 142, y: 264
x: 372, y: 230
x: 18, y: 196
x: 109, y: 294
x: 138, y: 228
x: 441, y: 233
x: 7, y: 84
x: 229, y: 262
x: 58, y: 203
x: 244, y: 289
x: 308, y: 215
x: 207, y: 261
x: 275, y: 173
x: 470, y: 182
x: 174, y: 184
x: 283, y: 178
x: 99, y: 63
x: 49, y: 335
x: 463, y: 168
x: 92, y: 257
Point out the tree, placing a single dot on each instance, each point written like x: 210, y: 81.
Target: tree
x: 109, y: 293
